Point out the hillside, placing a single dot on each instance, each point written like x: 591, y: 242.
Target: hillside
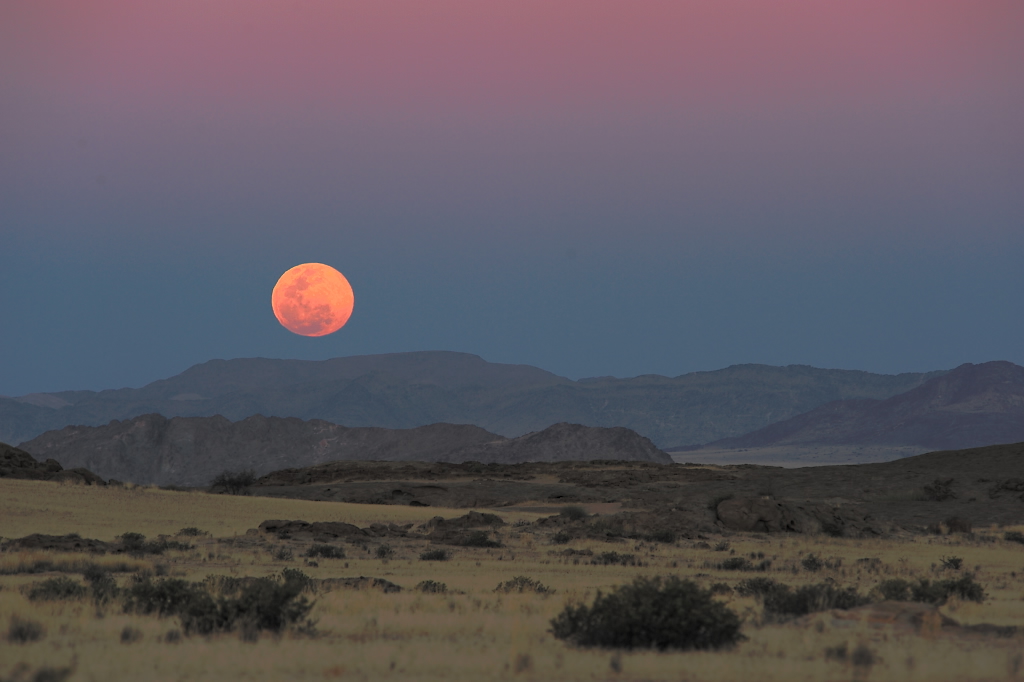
x: 406, y: 390
x: 971, y: 406
x: 192, y: 450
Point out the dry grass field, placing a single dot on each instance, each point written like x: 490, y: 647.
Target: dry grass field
x: 472, y: 632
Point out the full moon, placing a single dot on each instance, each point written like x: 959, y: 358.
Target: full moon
x: 312, y: 299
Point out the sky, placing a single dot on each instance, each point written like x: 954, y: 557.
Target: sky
x: 593, y: 187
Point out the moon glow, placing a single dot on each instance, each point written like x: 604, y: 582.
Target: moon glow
x: 312, y: 299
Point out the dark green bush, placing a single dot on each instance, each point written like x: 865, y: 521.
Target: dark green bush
x: 522, y: 584
x: 661, y: 613
x: 22, y: 630
x: 432, y: 587
x: 57, y: 589
x: 385, y: 551
x: 325, y: 552
x: 435, y: 555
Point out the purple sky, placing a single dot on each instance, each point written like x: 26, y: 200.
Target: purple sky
x: 591, y: 187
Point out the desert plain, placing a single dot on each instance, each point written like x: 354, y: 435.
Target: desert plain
x: 402, y: 595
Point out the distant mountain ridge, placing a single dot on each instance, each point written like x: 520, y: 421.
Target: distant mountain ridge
x: 192, y: 450
x: 970, y: 406
x: 406, y: 390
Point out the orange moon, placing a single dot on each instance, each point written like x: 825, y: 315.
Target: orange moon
x: 312, y: 299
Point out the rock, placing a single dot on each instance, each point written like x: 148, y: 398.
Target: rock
x: 759, y: 514
x: 19, y: 464
x: 360, y: 583
x: 58, y: 543
x: 319, y: 531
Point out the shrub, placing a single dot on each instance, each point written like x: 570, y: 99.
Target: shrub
x: 252, y: 605
x: 940, y: 591
x: 739, y: 563
x: 522, y: 584
x: 385, y: 551
x: 192, y: 532
x: 650, y: 613
x: 937, y: 592
x: 1014, y: 536
x: 57, y: 589
x: 480, y: 538
x: 234, y: 482
x: 720, y: 588
x: 561, y: 538
x: 613, y: 558
x: 939, y: 490
x: 101, y: 584
x: 432, y: 587
x: 666, y: 536
x: 895, y: 589
x: 952, y: 563
x: 325, y: 552
x: 782, y: 600
x: 166, y: 597
x: 721, y: 546
x: 574, y: 512
x: 435, y: 555
x: 22, y: 630
x: 812, y: 563
x: 785, y: 601
x: 130, y: 635
x: 956, y: 524
x: 281, y: 554
x: 135, y: 544
x: 758, y: 587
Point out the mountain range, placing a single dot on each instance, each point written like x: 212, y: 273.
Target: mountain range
x: 970, y: 406
x: 191, y: 451
x: 408, y: 390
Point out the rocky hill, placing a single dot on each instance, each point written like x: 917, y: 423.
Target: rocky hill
x: 406, y: 390
x: 16, y: 463
x: 192, y: 450
x: 971, y: 406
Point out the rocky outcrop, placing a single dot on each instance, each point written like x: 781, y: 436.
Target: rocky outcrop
x: 16, y: 463
x: 152, y: 449
x: 760, y: 514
